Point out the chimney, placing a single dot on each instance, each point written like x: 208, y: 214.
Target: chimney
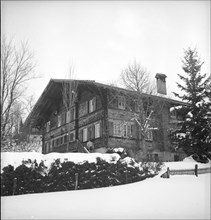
x: 161, y: 83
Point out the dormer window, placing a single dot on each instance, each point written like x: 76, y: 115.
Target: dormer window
x: 121, y: 102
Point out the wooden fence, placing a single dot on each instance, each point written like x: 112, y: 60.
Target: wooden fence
x: 194, y: 171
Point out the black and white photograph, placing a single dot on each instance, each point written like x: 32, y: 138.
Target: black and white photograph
x: 105, y: 109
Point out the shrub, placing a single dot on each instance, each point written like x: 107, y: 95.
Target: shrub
x: 33, y: 178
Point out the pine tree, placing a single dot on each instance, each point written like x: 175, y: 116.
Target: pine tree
x: 195, y: 132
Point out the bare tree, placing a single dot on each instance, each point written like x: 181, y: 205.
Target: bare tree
x: 69, y: 95
x: 69, y: 88
x: 17, y: 67
x: 136, y: 78
x: 29, y: 103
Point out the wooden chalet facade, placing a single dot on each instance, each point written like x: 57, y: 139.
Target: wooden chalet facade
x: 104, y: 115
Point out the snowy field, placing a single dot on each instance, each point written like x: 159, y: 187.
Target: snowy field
x: 179, y: 197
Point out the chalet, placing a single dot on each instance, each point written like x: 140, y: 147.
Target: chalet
x: 76, y: 114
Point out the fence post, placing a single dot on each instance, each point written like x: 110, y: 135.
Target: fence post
x: 76, y: 181
x: 168, y: 173
x: 126, y: 177
x: 14, y: 186
x: 196, y: 169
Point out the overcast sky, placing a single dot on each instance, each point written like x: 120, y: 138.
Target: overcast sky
x: 100, y: 38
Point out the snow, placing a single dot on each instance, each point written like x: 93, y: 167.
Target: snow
x: 15, y: 158
x: 179, y: 197
x: 181, y: 135
x: 187, y: 163
x: 175, y: 107
x: 200, y: 103
x: 190, y: 114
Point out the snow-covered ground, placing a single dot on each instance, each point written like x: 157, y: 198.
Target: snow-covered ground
x: 187, y: 163
x: 179, y: 197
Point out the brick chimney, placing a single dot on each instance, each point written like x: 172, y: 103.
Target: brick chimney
x: 161, y: 83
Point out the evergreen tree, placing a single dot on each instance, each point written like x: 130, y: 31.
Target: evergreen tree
x: 194, y: 136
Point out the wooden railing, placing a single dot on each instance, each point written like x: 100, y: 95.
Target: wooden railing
x: 194, y: 171
x: 81, y: 148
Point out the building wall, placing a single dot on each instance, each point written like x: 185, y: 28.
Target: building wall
x: 106, y: 125
x: 60, y: 135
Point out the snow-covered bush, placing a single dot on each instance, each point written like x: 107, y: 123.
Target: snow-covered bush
x: 121, y: 151
x: 36, y: 176
x: 201, y: 158
x: 150, y: 168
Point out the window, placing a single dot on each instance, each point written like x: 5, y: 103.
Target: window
x: 72, y: 136
x: 83, y: 108
x: 47, y: 145
x: 91, y: 132
x: 57, y: 142
x: 68, y: 116
x: 137, y: 108
x: 92, y: 105
x: 48, y: 126
x: 53, y: 121
x: 53, y: 143
x: 65, y: 138
x: 121, y: 129
x: 121, y: 102
x: 97, y: 130
x: 63, y: 119
x: 72, y: 114
x: 61, y: 140
x: 117, y: 129
x: 59, y: 120
x: 50, y: 146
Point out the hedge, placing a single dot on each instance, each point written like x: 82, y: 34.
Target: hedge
x: 31, y: 177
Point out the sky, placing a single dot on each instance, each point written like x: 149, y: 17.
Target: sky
x: 98, y: 39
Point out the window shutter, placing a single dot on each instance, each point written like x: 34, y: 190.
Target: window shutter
x: 89, y: 133
x: 63, y: 118
x: 111, y: 128
x: 92, y: 131
x: 94, y: 103
x: 84, y: 134
x: 97, y: 130
x: 155, y: 135
x: 80, y: 135
x: 129, y: 133
x: 68, y: 116
x: 59, y: 120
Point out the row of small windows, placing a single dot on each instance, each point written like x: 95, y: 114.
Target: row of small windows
x: 90, y: 132
x: 61, y: 119
x: 58, y: 141
x: 121, y: 104
x: 119, y: 128
x: 87, y: 133
x: 67, y: 117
